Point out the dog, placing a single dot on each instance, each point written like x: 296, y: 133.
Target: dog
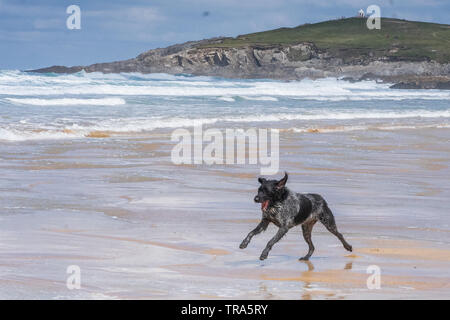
x: 287, y: 209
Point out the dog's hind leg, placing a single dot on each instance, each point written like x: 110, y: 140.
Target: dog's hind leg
x: 327, y: 218
x: 280, y: 234
x: 307, y: 229
x: 259, y: 228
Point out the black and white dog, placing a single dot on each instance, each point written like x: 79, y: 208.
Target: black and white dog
x: 286, y: 209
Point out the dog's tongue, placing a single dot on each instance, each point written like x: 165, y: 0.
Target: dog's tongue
x: 264, y: 205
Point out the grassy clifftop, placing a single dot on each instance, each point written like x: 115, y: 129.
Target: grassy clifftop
x: 399, y: 39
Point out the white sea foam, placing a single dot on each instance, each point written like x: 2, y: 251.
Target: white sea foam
x: 152, y: 123
x: 68, y: 101
x: 143, y: 124
x: 349, y: 128
x: 342, y: 115
x: 263, y: 98
x: 257, y: 98
x: 227, y: 99
x: 23, y: 84
x: 65, y: 128
x: 19, y: 134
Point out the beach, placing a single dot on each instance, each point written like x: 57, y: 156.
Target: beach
x: 89, y: 181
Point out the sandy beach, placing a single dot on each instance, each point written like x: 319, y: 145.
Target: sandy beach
x: 141, y: 227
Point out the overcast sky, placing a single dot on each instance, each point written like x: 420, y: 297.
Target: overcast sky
x: 34, y: 34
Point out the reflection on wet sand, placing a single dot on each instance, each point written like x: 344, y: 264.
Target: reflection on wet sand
x: 309, y: 289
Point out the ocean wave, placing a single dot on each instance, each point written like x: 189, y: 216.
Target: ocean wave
x: 227, y: 99
x: 68, y: 101
x: 263, y: 98
x: 342, y: 115
x: 18, y: 134
x: 184, y: 90
x: 25, y: 130
x: 256, y: 98
x: 15, y: 83
x: 152, y: 123
x: 73, y: 128
x: 256, y: 92
x: 349, y: 128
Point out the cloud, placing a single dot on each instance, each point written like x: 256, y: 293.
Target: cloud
x: 49, y: 23
x: 127, y: 14
x: 136, y: 23
x: 27, y: 10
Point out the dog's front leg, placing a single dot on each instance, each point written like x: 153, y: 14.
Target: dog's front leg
x: 281, y: 232
x: 259, y: 228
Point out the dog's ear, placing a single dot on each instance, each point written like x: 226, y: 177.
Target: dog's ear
x: 261, y: 180
x: 283, y: 181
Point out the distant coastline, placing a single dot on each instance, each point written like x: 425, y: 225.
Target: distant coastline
x: 411, y: 55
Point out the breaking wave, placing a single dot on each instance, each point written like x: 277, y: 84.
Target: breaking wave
x: 68, y: 101
x: 17, y: 83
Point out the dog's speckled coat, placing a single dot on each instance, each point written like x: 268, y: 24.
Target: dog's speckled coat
x: 286, y: 209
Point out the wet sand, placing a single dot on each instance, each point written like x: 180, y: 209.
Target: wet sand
x: 140, y: 227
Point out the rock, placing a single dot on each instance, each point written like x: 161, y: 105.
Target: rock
x: 406, y: 85
x: 424, y: 83
x: 443, y: 85
x: 58, y: 69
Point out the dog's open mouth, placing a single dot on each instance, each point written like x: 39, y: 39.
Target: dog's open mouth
x: 264, y: 205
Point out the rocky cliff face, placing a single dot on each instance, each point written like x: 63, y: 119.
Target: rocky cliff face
x: 244, y: 62
x: 287, y: 62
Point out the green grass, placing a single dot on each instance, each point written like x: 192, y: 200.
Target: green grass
x: 412, y: 40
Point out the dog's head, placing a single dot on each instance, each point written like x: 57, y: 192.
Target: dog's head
x: 271, y: 191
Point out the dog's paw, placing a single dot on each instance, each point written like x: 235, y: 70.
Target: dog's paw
x: 243, y: 245
x: 263, y: 257
x: 305, y: 258
x: 349, y: 248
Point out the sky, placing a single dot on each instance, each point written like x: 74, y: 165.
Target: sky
x: 34, y: 34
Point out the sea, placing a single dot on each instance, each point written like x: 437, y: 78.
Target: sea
x: 50, y: 106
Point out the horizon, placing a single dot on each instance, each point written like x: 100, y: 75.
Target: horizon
x: 36, y: 36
